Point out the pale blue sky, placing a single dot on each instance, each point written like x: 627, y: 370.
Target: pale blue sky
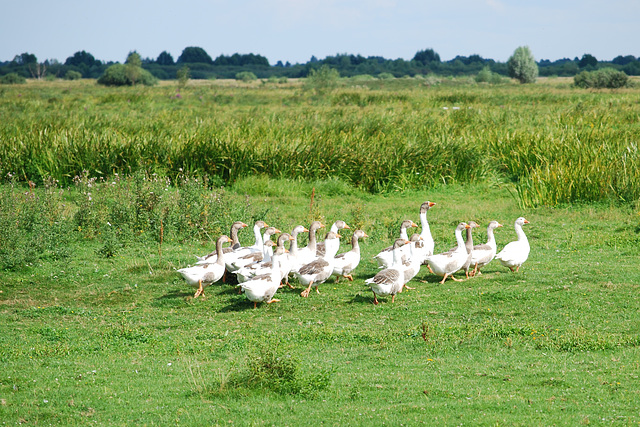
x: 294, y: 30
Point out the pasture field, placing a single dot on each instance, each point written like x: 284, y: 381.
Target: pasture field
x: 96, y: 327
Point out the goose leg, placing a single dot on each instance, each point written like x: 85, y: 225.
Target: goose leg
x: 393, y: 298
x: 429, y: 267
x: 200, y: 289
x: 408, y: 287
x: 375, y: 299
x: 455, y: 279
x: 475, y: 270
x: 350, y: 277
x: 306, y: 292
x: 317, y: 290
x: 273, y: 300
x: 255, y: 304
x: 444, y: 278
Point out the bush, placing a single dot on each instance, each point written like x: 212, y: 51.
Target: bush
x: 72, y: 75
x: 12, y: 78
x: 385, y: 76
x: 608, y: 78
x: 486, y: 76
x: 322, y: 79
x: 119, y: 75
x: 246, y: 76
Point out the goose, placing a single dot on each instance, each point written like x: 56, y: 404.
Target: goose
x: 413, y: 261
x: 346, y: 262
x: 308, y: 253
x: 262, y: 288
x: 319, y: 270
x: 336, y: 227
x: 291, y: 261
x: 468, y: 246
x: 252, y: 257
x: 389, y: 281
x: 385, y: 256
x: 202, y: 275
x: 483, y: 254
x: 515, y: 253
x: 240, y: 252
x: 235, y: 244
x: 428, y: 244
x: 447, y: 263
x: 264, y: 267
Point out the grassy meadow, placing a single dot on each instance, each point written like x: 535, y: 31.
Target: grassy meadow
x: 96, y: 327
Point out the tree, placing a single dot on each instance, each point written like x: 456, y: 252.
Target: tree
x: 81, y: 58
x: 194, y: 55
x: 587, y: 60
x: 25, y: 59
x: 183, y: 75
x: 522, y: 65
x: 165, y: 58
x: 133, y: 67
x: 426, y: 56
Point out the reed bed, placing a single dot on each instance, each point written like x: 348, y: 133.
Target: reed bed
x: 555, y: 143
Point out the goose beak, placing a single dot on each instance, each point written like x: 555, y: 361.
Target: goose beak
x: 432, y: 204
x: 526, y: 222
x: 278, y: 231
x: 467, y: 226
x: 346, y: 226
x: 413, y: 224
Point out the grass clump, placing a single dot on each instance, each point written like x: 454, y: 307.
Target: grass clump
x: 270, y: 367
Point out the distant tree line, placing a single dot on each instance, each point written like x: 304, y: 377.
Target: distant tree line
x: 201, y: 66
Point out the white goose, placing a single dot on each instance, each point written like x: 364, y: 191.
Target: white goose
x: 202, y: 275
x: 483, y: 254
x: 319, y: 270
x: 389, y: 281
x: 264, y: 267
x: 385, y: 256
x: 235, y: 244
x: 346, y: 262
x: 291, y: 261
x: 264, y: 255
x: 336, y: 227
x: 447, y: 263
x: 308, y: 253
x: 515, y: 253
x: 468, y: 246
x: 256, y: 247
x: 413, y: 261
x: 427, y: 239
x: 263, y: 287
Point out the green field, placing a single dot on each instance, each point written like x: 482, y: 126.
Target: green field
x: 96, y: 327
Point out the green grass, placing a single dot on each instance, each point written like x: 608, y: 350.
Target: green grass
x: 88, y: 338
x: 556, y: 143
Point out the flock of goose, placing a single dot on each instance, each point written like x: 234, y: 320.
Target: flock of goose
x: 262, y: 268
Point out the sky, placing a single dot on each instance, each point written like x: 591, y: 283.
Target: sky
x: 296, y: 30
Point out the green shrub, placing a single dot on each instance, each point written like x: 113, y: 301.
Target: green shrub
x: 12, y: 78
x: 385, y: 76
x: 246, y: 76
x: 72, y: 75
x: 119, y: 75
x: 322, y: 80
x: 604, y: 78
